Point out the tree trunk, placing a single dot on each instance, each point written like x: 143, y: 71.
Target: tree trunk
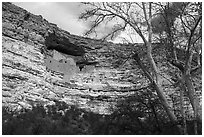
x: 183, y: 88
x: 194, y: 101
x: 153, y: 64
x: 192, y: 96
x: 158, y: 89
x: 157, y: 84
x: 155, y: 78
x: 165, y: 104
x: 171, y: 48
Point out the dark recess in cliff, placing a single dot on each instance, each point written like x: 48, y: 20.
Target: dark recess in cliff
x: 62, y: 44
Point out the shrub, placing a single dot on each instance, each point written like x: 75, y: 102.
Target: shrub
x: 134, y: 116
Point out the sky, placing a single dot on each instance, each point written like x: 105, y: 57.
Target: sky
x: 65, y: 15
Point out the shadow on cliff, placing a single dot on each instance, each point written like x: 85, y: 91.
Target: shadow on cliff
x: 141, y: 118
x: 62, y: 44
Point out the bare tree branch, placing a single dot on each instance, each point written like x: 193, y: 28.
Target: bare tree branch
x: 189, y: 50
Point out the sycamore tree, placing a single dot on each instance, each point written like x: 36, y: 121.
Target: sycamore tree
x: 181, y: 26
x: 132, y: 15
x: 149, y: 20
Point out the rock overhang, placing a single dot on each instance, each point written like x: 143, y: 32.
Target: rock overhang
x: 63, y: 45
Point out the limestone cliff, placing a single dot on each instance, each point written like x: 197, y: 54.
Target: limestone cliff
x: 25, y: 79
x: 105, y: 74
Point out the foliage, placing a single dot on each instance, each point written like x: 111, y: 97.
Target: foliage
x: 134, y: 115
x: 58, y: 119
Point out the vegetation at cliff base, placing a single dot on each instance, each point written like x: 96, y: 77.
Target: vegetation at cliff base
x: 62, y: 119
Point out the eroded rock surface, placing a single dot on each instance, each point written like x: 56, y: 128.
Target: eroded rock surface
x: 103, y: 78
x: 26, y: 81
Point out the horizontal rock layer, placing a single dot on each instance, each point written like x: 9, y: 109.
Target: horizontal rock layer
x: 26, y: 81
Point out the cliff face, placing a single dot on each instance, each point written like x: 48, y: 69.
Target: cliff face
x: 26, y: 81
x: 26, y: 43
